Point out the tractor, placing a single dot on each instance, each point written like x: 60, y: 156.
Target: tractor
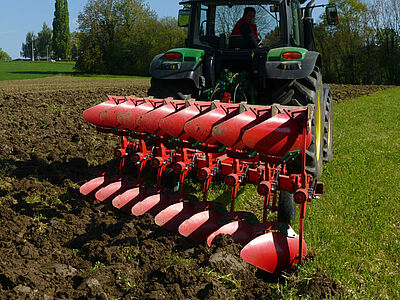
x: 223, y: 107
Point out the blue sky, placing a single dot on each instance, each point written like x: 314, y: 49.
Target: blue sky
x: 18, y: 17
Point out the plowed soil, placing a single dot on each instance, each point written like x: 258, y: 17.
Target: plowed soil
x: 56, y: 243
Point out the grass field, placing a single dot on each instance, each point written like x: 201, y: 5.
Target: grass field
x: 17, y: 70
x: 353, y: 230
x: 28, y: 70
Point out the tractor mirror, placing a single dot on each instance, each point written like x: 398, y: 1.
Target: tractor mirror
x: 183, y: 18
x: 331, y: 15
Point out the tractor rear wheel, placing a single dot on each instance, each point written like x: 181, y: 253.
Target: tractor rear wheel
x: 178, y: 89
x: 328, y: 129
x: 301, y: 92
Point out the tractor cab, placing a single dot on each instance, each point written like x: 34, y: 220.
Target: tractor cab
x: 211, y: 24
x: 217, y: 53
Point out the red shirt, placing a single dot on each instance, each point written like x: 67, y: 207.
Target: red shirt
x: 253, y: 27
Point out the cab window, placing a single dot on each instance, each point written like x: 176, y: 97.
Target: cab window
x: 215, y: 21
x: 297, y: 24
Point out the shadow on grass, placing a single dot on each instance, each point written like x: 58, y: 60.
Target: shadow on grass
x: 50, y: 73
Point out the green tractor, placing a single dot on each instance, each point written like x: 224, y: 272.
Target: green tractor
x: 282, y: 68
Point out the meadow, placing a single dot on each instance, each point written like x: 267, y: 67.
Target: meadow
x: 19, y: 70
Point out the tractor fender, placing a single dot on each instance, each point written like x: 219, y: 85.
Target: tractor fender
x: 296, y: 69
x: 162, y: 69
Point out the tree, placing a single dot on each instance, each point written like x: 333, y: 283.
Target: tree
x: 122, y: 37
x: 341, y: 45
x: 384, y: 19
x: 365, y: 47
x: 169, y: 35
x: 4, y: 55
x: 74, y: 52
x: 45, y: 41
x: 31, y: 42
x: 385, y: 14
x: 61, y: 34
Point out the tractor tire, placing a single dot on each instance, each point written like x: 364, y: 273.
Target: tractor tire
x: 328, y: 129
x: 286, y: 208
x: 301, y: 92
x: 177, y: 89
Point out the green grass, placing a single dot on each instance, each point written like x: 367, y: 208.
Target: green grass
x: 354, y: 229
x: 29, y: 70
x: 18, y: 70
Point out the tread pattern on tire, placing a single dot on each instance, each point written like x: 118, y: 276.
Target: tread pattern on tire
x: 305, y: 91
x: 302, y: 92
x: 328, y: 131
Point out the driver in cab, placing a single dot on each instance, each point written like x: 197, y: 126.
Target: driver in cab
x: 247, y: 28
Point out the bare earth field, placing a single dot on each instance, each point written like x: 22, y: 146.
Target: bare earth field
x: 56, y: 243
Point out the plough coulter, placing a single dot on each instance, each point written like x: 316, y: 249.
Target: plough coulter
x: 245, y: 144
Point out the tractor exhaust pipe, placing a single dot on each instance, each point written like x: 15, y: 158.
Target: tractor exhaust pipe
x: 309, y: 9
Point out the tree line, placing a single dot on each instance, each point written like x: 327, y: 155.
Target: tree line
x: 364, y: 48
x: 54, y: 43
x: 122, y: 37
x: 115, y: 37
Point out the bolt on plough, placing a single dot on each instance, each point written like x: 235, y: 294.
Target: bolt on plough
x: 245, y: 144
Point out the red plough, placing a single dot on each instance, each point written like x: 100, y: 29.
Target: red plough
x: 243, y: 143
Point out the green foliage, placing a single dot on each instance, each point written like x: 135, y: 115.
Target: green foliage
x: 40, y: 43
x: 362, y: 48
x: 175, y: 259
x: 130, y: 253
x: 128, y: 284
x: 31, y: 43
x: 61, y: 34
x: 97, y: 265
x: 45, y: 41
x: 122, y: 37
x: 4, y: 55
x: 74, y: 45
